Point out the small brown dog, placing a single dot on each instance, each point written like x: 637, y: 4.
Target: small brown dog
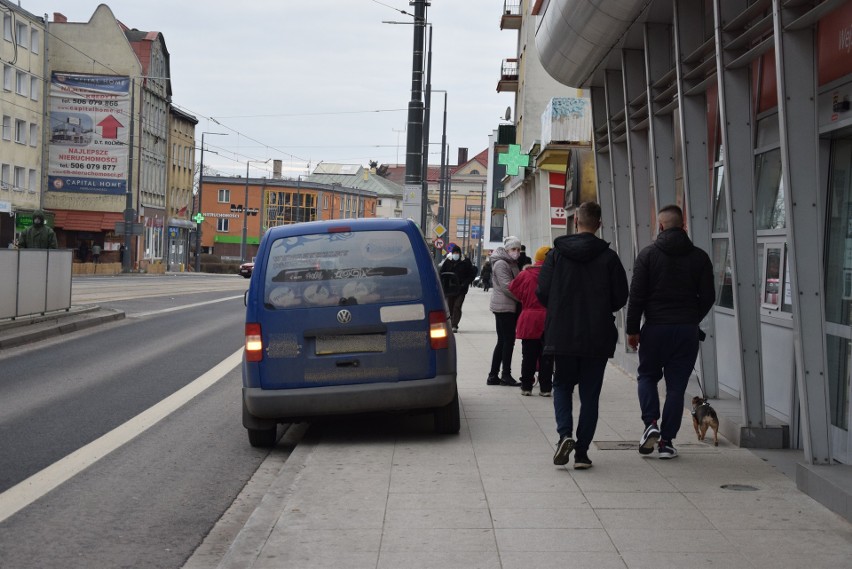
x: 703, y: 417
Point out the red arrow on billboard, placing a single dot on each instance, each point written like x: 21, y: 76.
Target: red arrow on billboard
x: 110, y: 126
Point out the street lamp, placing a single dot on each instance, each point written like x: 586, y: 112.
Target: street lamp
x: 200, y: 194
x: 245, y: 209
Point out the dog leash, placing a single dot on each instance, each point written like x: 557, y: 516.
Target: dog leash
x: 701, y: 387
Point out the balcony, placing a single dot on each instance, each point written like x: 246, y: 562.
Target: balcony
x: 511, y: 18
x: 508, y: 76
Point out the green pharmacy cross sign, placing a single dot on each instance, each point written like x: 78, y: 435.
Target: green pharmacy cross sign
x: 513, y: 159
x: 198, y: 218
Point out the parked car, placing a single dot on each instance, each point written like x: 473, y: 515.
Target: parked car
x: 246, y: 269
x: 345, y: 317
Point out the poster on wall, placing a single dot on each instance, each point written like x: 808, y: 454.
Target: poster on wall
x: 89, y: 133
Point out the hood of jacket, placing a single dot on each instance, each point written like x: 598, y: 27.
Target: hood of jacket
x: 580, y: 247
x: 674, y: 242
x: 500, y: 254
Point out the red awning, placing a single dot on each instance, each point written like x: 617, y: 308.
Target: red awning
x: 95, y: 221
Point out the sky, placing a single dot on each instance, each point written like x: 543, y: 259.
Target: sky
x: 312, y: 81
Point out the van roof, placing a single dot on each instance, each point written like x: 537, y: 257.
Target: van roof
x: 370, y: 224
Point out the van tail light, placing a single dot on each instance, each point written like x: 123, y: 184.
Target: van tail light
x: 254, y: 343
x: 439, y: 330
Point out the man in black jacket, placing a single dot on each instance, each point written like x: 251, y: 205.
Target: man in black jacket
x: 672, y: 287
x: 581, y: 283
x: 456, y: 275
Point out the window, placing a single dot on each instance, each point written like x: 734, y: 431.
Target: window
x: 770, y: 213
x: 7, y: 127
x: 21, y: 83
x: 33, y: 134
x: 20, y: 131
x: 23, y: 35
x: 771, y: 283
x: 7, y: 27
x: 722, y: 272
x: 7, y: 77
x: 33, y: 187
x: 20, y: 178
x: 224, y: 196
x: 4, y: 176
x: 34, y: 39
x: 720, y: 204
x: 223, y: 225
x: 34, y: 88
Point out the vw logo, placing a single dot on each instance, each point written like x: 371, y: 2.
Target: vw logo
x: 344, y: 317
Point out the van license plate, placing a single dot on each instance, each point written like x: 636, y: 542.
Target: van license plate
x: 350, y: 344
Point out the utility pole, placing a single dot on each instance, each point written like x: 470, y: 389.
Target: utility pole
x: 412, y: 203
x: 129, y: 213
x: 424, y: 202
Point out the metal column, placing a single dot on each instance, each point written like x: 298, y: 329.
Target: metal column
x: 658, y: 62
x: 619, y: 174
x: 692, y: 111
x: 603, y: 168
x: 795, y: 65
x: 641, y: 197
x: 735, y: 110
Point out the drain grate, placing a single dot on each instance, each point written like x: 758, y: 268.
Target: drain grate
x: 739, y: 487
x: 631, y: 445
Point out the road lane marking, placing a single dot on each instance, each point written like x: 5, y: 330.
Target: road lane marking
x: 28, y: 491
x: 184, y: 307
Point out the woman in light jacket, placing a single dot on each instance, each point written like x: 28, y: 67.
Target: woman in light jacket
x: 504, y: 305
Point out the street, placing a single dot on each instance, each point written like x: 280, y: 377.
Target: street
x: 157, y: 496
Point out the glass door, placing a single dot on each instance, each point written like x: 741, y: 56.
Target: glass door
x: 838, y: 297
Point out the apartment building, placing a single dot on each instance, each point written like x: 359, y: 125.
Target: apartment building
x: 22, y: 57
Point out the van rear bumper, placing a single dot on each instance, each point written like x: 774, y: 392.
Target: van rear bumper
x: 283, y: 404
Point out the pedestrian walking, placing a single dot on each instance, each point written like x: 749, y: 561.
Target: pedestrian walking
x: 523, y: 259
x: 530, y: 328
x: 485, y: 275
x: 456, y: 275
x: 672, y: 287
x: 582, y: 283
x: 504, y: 305
x: 96, y: 253
x: 38, y: 235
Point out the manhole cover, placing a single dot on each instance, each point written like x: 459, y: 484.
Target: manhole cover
x: 616, y: 445
x: 739, y: 487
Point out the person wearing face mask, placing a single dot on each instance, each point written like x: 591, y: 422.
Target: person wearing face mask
x: 38, y: 235
x: 456, y: 270
x: 504, y: 305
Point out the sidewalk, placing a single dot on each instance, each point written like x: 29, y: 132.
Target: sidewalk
x: 491, y: 497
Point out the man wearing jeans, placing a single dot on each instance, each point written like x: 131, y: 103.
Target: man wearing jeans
x: 581, y: 283
x: 672, y: 288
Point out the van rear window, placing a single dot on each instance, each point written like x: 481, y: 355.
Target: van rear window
x: 337, y: 269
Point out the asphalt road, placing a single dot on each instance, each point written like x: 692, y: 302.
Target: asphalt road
x: 150, y: 502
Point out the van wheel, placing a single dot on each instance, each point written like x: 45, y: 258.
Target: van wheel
x: 263, y: 438
x: 447, y: 419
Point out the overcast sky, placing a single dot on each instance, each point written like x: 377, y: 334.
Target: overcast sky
x: 304, y: 78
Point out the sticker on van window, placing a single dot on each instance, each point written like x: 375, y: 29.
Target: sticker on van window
x: 381, y: 249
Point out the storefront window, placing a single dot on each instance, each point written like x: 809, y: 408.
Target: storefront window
x: 838, y: 266
x: 722, y: 272
x: 720, y: 204
x: 770, y: 191
x: 838, y: 350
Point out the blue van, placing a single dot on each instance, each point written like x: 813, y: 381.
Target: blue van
x: 342, y: 317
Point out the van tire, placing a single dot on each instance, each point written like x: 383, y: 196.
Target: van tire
x: 263, y: 438
x: 447, y: 418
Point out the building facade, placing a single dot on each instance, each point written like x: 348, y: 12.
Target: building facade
x: 740, y: 112
x: 271, y: 202
x: 180, y: 179
x: 22, y: 99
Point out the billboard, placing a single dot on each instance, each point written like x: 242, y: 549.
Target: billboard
x: 89, y: 133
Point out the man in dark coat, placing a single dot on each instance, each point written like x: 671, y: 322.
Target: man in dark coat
x: 524, y: 259
x: 582, y: 282
x: 39, y: 235
x: 672, y: 288
x: 456, y: 275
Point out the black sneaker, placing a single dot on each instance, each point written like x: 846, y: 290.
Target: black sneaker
x: 666, y: 450
x: 493, y: 380
x: 649, y: 439
x: 563, y: 451
x: 507, y: 379
x: 581, y: 461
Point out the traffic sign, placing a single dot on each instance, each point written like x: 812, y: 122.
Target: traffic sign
x: 439, y: 243
x: 440, y: 230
